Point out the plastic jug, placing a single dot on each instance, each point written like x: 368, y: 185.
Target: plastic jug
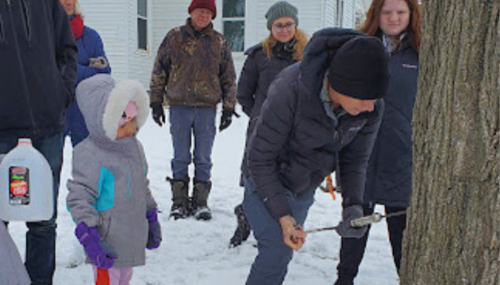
x: 26, y: 185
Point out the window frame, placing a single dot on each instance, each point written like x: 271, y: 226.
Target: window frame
x: 146, y: 20
x: 235, y: 19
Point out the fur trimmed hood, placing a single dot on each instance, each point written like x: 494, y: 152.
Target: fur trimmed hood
x: 102, y: 102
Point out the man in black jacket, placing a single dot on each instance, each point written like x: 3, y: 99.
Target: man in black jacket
x: 37, y: 78
x: 321, y: 115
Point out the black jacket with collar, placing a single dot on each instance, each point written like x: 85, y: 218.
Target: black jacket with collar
x: 37, y: 67
x: 295, y: 145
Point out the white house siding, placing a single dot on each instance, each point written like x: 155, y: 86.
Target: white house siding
x: 349, y: 13
x: 140, y: 62
x: 109, y: 18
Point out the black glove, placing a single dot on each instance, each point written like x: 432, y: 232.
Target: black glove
x: 226, y: 119
x: 344, y: 229
x: 158, y: 113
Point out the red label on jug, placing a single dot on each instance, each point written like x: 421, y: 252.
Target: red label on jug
x: 19, y: 186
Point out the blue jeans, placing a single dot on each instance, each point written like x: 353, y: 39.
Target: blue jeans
x: 186, y: 122
x: 41, y: 236
x: 271, y: 264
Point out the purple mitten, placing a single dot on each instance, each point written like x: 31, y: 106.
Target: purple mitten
x: 154, y: 233
x: 99, y: 252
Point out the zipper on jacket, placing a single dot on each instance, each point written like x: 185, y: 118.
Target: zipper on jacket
x: 26, y: 15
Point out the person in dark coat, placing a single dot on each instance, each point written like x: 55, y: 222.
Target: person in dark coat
x: 37, y: 81
x: 91, y: 61
x: 321, y: 114
x: 283, y: 47
x: 397, y: 24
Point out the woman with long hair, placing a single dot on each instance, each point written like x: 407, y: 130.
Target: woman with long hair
x: 91, y: 61
x: 397, y: 23
x: 283, y: 47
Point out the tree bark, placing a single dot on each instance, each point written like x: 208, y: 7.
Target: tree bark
x: 453, y: 234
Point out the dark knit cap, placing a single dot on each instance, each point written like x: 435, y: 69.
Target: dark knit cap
x: 360, y: 69
x: 281, y: 9
x: 203, y: 4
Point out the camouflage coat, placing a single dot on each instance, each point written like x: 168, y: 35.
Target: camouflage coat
x: 195, y: 68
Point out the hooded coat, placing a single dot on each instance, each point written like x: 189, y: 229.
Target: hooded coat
x: 110, y: 189
x: 37, y: 67
x: 390, y: 167
x: 295, y: 144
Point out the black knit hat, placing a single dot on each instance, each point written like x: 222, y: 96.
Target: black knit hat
x: 281, y: 9
x: 360, y: 69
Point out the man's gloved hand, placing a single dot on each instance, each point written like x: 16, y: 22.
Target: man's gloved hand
x: 158, y: 113
x: 98, y: 62
x: 226, y: 119
x: 99, y: 252
x: 154, y: 232
x: 344, y: 229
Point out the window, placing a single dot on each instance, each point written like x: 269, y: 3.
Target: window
x: 142, y: 25
x: 340, y: 13
x: 233, y: 18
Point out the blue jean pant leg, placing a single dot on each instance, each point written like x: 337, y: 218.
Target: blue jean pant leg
x: 181, y: 122
x: 41, y: 236
x: 271, y: 264
x: 204, y: 135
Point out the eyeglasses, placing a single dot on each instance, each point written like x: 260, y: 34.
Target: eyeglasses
x: 289, y: 26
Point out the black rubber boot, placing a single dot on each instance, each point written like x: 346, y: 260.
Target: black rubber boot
x: 243, y: 230
x: 199, y: 206
x: 180, y: 198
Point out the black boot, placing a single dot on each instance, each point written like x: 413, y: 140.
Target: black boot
x: 243, y: 230
x: 180, y: 198
x: 199, y: 206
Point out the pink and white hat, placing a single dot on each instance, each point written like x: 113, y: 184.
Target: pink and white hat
x: 129, y: 113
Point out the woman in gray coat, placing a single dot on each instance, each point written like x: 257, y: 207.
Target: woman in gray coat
x: 283, y: 47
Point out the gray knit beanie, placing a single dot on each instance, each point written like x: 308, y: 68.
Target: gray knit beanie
x: 281, y: 9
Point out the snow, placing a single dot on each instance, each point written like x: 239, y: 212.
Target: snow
x: 196, y: 252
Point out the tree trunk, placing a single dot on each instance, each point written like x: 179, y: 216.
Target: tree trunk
x: 453, y: 234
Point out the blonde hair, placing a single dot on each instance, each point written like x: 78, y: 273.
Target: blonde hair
x: 301, y: 40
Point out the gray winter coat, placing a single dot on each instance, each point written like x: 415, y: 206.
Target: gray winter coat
x: 110, y: 188
x: 12, y: 270
x: 295, y: 143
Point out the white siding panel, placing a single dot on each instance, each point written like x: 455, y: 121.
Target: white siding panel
x: 140, y: 61
x: 349, y: 17
x: 108, y: 18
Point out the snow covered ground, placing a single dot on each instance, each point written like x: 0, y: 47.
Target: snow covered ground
x: 197, y: 253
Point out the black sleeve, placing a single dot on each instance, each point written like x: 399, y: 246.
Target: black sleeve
x: 247, y: 85
x: 66, y: 49
x: 268, y: 140
x: 353, y: 159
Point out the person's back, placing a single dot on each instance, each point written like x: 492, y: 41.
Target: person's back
x: 38, y: 70
x: 109, y: 193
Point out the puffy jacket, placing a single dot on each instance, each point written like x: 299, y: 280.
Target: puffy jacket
x: 295, y: 144
x: 38, y: 67
x: 390, y: 168
x: 110, y: 189
x: 89, y: 46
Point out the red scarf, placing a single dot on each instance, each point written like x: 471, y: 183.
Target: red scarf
x: 77, y: 26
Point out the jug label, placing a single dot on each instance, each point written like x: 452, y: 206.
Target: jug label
x: 19, y: 186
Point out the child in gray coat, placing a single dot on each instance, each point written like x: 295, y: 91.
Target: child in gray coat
x: 109, y: 196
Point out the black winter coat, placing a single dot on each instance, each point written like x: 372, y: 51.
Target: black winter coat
x: 295, y: 145
x: 390, y: 168
x: 37, y: 67
x: 257, y: 75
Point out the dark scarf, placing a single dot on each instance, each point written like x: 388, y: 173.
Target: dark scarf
x: 77, y: 26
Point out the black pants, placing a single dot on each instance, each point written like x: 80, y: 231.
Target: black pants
x: 352, y: 250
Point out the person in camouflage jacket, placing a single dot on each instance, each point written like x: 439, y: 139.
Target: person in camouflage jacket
x: 195, y: 67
